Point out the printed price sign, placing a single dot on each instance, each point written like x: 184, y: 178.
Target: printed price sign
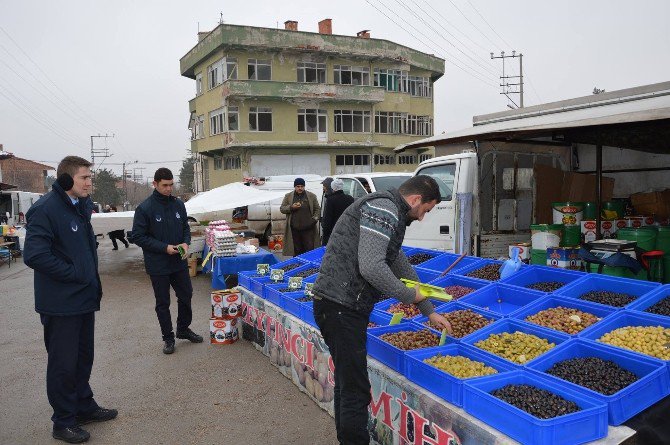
x: 309, y: 289
x: 295, y: 283
x: 262, y: 269
x: 277, y: 275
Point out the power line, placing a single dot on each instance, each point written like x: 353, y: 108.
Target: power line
x: 489, y: 25
x: 472, y: 73
x: 473, y: 25
x: 453, y: 26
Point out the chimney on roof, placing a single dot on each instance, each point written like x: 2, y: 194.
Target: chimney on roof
x: 291, y: 25
x: 365, y: 34
x: 326, y: 26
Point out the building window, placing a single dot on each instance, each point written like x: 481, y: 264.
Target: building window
x: 406, y: 159
x: 341, y: 160
x: 232, y: 163
x: 384, y: 160
x: 419, y: 86
x: 216, y: 121
x: 311, y: 120
x: 220, y: 71
x: 260, y: 119
x: 351, y: 75
x: 311, y: 72
x: 424, y: 157
x: 352, y: 121
x: 258, y: 69
x: 391, y: 80
x: 233, y: 119
x: 218, y: 162
x: 419, y: 125
x: 199, y: 127
x: 198, y: 84
x: 390, y: 122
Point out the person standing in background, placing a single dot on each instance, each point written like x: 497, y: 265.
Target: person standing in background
x: 335, y: 204
x: 302, y: 209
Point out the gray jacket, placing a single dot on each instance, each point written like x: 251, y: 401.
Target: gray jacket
x: 364, y: 258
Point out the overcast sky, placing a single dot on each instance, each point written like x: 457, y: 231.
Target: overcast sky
x: 72, y: 69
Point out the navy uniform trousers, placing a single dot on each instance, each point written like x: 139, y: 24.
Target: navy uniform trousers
x: 181, y: 283
x: 69, y: 342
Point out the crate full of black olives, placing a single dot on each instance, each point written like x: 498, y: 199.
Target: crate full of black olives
x: 535, y: 409
x: 608, y: 290
x: 627, y: 382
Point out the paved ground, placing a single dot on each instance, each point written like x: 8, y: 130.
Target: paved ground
x: 202, y: 394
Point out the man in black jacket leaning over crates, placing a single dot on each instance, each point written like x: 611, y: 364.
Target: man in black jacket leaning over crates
x: 364, y: 260
x: 160, y: 226
x: 60, y: 246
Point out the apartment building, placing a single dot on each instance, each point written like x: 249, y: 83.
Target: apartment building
x: 282, y: 101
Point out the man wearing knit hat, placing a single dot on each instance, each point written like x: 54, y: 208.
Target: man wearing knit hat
x: 302, y: 214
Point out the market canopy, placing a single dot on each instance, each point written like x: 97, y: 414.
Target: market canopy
x: 228, y: 197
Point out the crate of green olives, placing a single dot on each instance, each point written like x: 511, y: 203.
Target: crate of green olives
x: 636, y: 331
x: 656, y: 302
x: 535, y: 409
x: 388, y: 344
x: 542, y: 278
x: 627, y: 382
x: 564, y: 314
x: 443, y: 370
x: 611, y: 291
x: 516, y: 341
x: 501, y: 298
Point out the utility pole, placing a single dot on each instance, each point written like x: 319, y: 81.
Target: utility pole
x: 99, y: 152
x: 125, y: 188
x: 509, y: 88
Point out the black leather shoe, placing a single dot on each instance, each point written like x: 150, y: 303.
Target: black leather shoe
x: 169, y: 347
x: 99, y: 415
x: 71, y: 434
x: 190, y: 336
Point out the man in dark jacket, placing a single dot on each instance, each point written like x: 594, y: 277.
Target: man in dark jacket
x: 60, y: 246
x: 365, y: 261
x: 160, y: 226
x: 335, y: 204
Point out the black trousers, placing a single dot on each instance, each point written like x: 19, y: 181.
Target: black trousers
x: 181, y: 283
x: 303, y: 241
x: 69, y: 343
x: 117, y: 235
x: 345, y: 332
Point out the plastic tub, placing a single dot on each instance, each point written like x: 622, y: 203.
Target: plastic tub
x: 568, y: 213
x: 416, y: 250
x: 652, y: 386
x: 271, y: 293
x: 440, y: 383
x: 451, y: 307
x: 314, y: 256
x: 583, y: 426
x: 471, y: 268
x: 383, y: 306
x: 458, y: 280
x: 594, y: 282
x: 502, y: 299
x: 426, y: 276
x: 244, y: 278
x: 441, y: 262
x: 385, y: 352
x: 550, y: 301
x: 653, y: 297
x: 621, y: 319
x: 509, y: 325
x: 289, y: 302
x: 534, y: 274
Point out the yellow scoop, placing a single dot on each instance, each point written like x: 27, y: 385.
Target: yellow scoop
x: 428, y: 291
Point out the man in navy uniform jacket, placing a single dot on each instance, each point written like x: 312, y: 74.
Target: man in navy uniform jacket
x: 60, y: 246
x: 160, y: 226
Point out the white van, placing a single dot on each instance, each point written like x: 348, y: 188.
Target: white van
x: 360, y: 184
x: 15, y: 204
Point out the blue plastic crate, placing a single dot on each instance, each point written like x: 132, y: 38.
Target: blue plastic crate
x: 458, y: 280
x: 289, y: 302
x: 502, y: 299
x: 551, y: 301
x: 440, y: 383
x: 307, y: 313
x: 621, y: 319
x: 385, y: 352
x: 586, y: 425
x: 451, y: 307
x: 652, y: 386
x: 510, y: 325
x: 258, y: 284
x: 644, y: 303
x: 426, y: 276
x: 380, y: 318
x: 244, y: 278
x: 383, y: 306
x: 271, y: 293
x: 535, y: 274
x: 464, y: 271
x: 441, y: 262
x: 314, y: 256
x: 593, y: 282
x: 407, y: 249
x: 415, y: 250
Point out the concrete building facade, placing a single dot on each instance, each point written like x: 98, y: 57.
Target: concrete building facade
x: 24, y: 174
x: 281, y: 101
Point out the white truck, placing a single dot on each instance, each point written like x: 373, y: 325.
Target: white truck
x: 15, y: 204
